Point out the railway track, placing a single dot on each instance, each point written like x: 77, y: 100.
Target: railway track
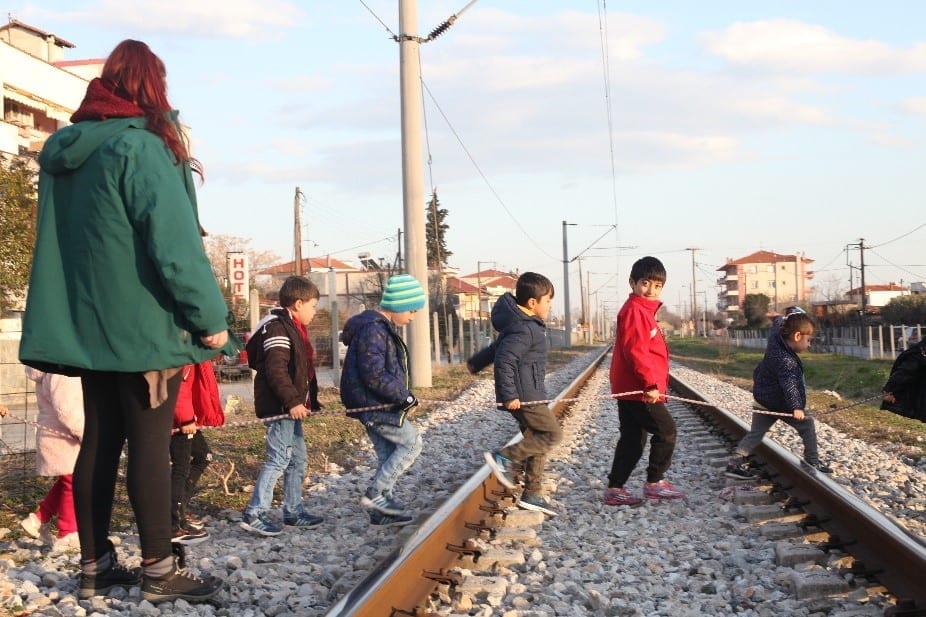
x: 884, y: 554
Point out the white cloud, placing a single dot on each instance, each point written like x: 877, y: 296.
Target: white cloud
x: 794, y: 46
x: 245, y: 19
x: 915, y: 105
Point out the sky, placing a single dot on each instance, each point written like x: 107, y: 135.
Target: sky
x: 652, y: 128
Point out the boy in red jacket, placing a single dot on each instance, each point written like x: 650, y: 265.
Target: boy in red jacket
x: 640, y: 361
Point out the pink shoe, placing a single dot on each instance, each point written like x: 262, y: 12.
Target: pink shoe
x: 620, y: 497
x: 662, y: 490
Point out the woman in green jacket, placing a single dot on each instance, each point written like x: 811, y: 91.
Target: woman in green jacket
x: 122, y: 294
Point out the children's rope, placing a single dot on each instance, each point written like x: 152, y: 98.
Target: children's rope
x: 344, y: 411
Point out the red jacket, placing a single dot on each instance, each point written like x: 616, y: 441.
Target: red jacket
x: 640, y: 360
x: 199, y: 397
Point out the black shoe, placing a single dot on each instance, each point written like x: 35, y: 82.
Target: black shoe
x: 101, y: 583
x: 821, y: 467
x: 179, y: 584
x: 189, y: 536
x: 739, y: 471
x: 304, y: 520
x: 389, y: 520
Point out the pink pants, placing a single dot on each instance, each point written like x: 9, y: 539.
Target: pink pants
x: 60, y: 501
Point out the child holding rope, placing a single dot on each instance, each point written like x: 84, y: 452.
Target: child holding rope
x: 520, y: 357
x: 779, y: 390
x: 640, y: 361
x: 376, y: 375
x: 280, y: 351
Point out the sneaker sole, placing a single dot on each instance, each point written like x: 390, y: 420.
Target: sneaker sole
x: 664, y: 497
x: 260, y: 532
x: 312, y: 526
x: 392, y: 523
x: 154, y: 598
x: 535, y: 508
x: 86, y: 594
x: 366, y: 502
x: 626, y: 504
x: 499, y: 473
x: 188, y: 541
x: 734, y: 476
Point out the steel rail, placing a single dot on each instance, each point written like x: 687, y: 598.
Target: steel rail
x: 404, y: 580
x: 895, y: 555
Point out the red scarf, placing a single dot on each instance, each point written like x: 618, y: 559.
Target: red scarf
x: 101, y: 102
x: 309, y: 350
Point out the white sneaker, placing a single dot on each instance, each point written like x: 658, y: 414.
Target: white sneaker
x: 32, y: 525
x: 66, y: 542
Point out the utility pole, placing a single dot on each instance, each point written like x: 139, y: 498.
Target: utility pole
x: 861, y: 248
x: 567, y: 324
x: 694, y: 300
x: 297, y: 231
x: 419, y: 346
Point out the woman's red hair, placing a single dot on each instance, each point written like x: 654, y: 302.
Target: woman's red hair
x: 136, y: 74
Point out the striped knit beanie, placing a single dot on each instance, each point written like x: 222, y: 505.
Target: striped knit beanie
x: 402, y: 293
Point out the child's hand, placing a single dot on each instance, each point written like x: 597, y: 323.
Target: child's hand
x: 298, y: 412
x: 472, y: 369
x: 887, y: 397
x: 799, y: 414
x: 651, y: 396
x: 513, y: 404
x: 3, y: 411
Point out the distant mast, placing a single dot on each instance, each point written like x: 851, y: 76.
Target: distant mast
x: 297, y: 232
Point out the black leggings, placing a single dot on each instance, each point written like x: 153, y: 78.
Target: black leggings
x: 189, y: 457
x: 116, y: 411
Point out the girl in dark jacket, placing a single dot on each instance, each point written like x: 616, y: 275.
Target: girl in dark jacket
x: 905, y: 390
x: 778, y: 386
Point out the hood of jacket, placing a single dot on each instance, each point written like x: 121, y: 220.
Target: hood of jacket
x: 70, y: 147
x: 358, y: 322
x: 506, y: 313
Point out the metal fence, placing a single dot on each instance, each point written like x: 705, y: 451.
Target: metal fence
x: 881, y: 342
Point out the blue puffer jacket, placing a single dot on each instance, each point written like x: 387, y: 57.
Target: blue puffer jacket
x: 520, y: 353
x: 778, y: 380
x: 376, y: 365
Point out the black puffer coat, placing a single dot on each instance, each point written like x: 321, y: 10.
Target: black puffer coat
x: 907, y: 383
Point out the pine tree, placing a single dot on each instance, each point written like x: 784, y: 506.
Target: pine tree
x: 436, y: 242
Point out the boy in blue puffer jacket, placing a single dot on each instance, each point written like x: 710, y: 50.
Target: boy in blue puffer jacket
x: 520, y: 357
x: 376, y: 375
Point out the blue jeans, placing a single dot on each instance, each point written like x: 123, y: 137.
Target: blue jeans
x: 396, y: 448
x: 761, y: 423
x: 286, y: 456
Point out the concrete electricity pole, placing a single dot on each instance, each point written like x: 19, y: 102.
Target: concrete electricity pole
x: 419, y: 343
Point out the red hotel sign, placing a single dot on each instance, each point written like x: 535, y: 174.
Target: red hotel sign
x: 238, y: 275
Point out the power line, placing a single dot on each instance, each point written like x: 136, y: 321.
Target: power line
x: 480, y: 172
x: 915, y: 229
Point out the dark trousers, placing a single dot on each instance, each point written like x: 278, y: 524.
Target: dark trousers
x: 189, y: 457
x: 117, y: 411
x: 541, y: 432
x: 637, y: 420
x: 761, y: 423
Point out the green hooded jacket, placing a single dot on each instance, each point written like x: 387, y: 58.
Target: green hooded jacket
x: 120, y: 280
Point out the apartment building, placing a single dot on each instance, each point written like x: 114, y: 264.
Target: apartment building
x: 785, y: 279
x: 39, y: 88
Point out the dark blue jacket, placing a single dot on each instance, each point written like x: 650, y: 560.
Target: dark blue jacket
x: 519, y: 353
x: 778, y: 380
x: 376, y: 365
x: 907, y: 383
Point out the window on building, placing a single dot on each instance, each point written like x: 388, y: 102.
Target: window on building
x: 771, y: 284
x: 752, y: 269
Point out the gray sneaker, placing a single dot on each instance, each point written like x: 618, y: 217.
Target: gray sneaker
x: 537, y: 503
x: 261, y: 525
x: 502, y: 467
